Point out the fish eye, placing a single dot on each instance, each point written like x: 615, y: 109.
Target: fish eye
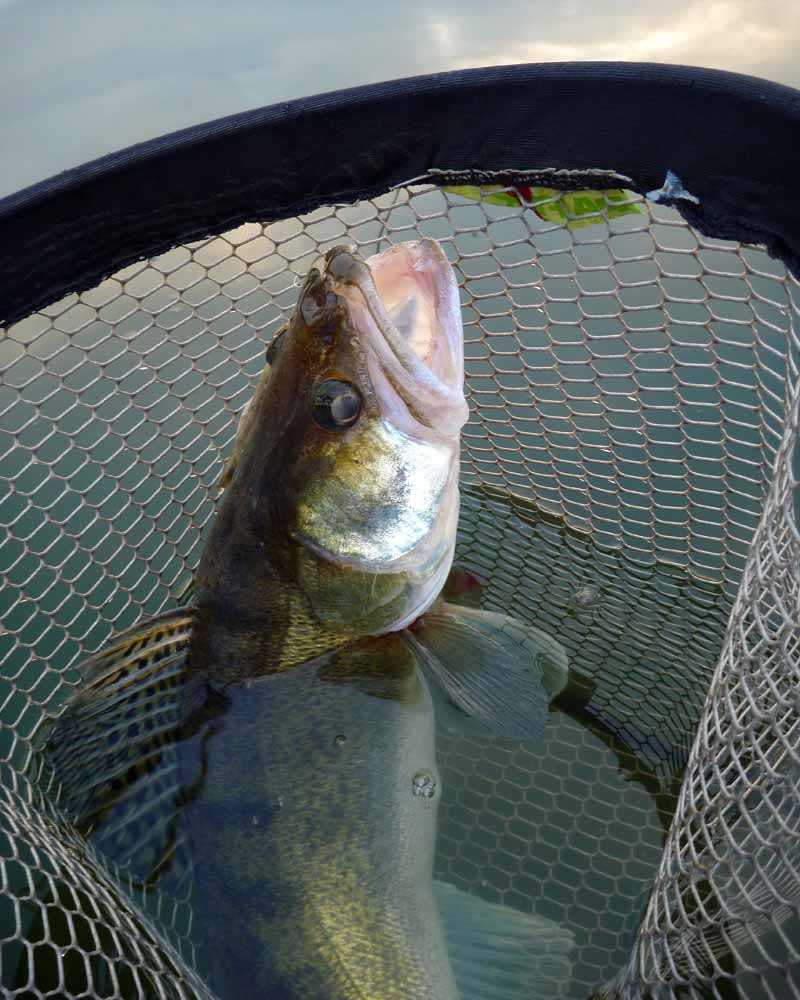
x: 274, y: 346
x: 336, y: 404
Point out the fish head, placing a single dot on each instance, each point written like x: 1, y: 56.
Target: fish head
x: 350, y: 447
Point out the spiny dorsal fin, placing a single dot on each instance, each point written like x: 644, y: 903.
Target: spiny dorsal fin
x: 113, y: 748
x: 149, y: 637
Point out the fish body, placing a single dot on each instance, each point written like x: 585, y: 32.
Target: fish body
x: 293, y: 699
x: 354, y: 529
x: 318, y: 871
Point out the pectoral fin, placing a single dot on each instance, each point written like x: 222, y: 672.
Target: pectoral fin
x: 502, y: 954
x: 493, y: 668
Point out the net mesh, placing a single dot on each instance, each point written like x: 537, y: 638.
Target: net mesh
x: 629, y: 484
x: 728, y: 888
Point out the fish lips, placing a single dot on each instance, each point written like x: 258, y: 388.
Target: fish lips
x: 404, y: 312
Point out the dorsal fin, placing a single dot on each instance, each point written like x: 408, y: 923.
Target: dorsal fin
x: 113, y: 748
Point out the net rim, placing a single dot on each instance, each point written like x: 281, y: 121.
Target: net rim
x: 731, y: 134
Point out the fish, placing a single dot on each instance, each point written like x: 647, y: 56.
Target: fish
x: 288, y: 714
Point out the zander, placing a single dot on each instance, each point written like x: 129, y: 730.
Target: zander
x: 287, y: 715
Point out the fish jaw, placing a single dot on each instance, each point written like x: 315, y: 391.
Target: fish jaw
x: 404, y: 304
x: 380, y: 503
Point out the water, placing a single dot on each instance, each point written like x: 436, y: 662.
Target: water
x: 570, y: 829
x: 574, y: 827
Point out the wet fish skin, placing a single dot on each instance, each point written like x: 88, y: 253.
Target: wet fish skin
x: 318, y: 864
x: 330, y: 894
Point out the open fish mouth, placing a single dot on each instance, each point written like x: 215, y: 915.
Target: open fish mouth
x: 387, y: 499
x: 404, y: 303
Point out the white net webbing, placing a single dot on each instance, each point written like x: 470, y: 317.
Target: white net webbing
x: 727, y: 893
x: 628, y: 485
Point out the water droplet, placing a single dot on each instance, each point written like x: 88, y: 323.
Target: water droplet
x: 340, y: 740
x: 423, y: 784
x: 586, y: 603
x: 272, y: 806
x: 586, y: 597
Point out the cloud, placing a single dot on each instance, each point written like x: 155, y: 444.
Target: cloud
x: 739, y: 35
x: 91, y: 77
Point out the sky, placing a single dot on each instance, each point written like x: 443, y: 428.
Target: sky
x: 81, y: 79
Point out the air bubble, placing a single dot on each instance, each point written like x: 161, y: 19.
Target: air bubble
x: 586, y: 602
x: 423, y: 784
x: 586, y: 597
